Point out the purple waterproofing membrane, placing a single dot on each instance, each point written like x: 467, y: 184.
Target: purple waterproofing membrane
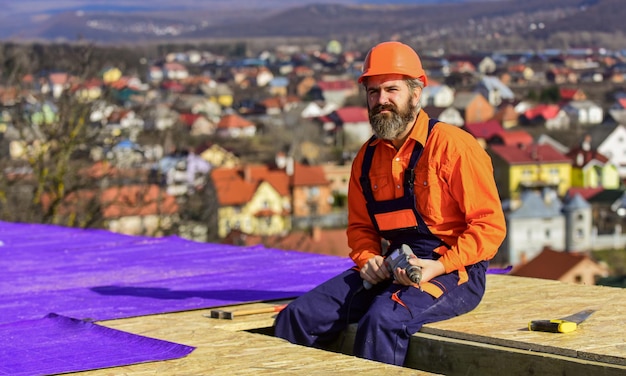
x: 91, y: 275
x: 57, y: 344
x: 99, y: 275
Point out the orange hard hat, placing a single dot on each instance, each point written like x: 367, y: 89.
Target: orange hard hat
x: 393, y: 57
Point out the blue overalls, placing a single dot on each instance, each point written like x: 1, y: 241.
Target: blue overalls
x: 387, y: 314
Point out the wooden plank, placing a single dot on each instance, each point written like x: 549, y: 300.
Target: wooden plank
x: 511, y: 302
x: 491, y: 340
x: 494, y: 338
x: 224, y: 348
x: 452, y: 357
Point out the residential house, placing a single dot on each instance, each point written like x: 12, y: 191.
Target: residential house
x: 462, y: 64
x: 263, y: 77
x: 609, y: 215
x: 561, y: 76
x: 506, y: 115
x: 219, y: 93
x: 218, y: 156
x: 568, y: 267
x: 519, y: 138
x: 448, y: 115
x: 546, y: 139
x: 517, y: 73
x: 591, y: 169
x: 253, y: 199
x: 530, y: 167
x: 437, y: 96
x: 551, y: 116
x: 187, y: 174
x: 279, y: 105
x: 494, y: 90
x: 338, y: 175
x: 155, y: 74
x: 534, y: 221
x: 617, y: 111
x: 305, y: 85
x: 138, y: 210
x: 317, y: 109
x: 278, y: 86
x: 111, y: 74
x: 56, y: 84
x: 610, y: 140
x: 125, y: 154
x: 578, y: 223
x: 315, y: 240
x: 338, y: 90
x: 235, y: 126
x: 311, y: 193
x: 130, y: 209
x: 483, y: 132
x: 568, y: 94
x: 584, y: 112
x: 174, y: 71
x: 349, y: 125
x: 88, y: 91
x: 473, y: 107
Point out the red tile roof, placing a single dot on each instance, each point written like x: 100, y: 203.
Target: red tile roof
x: 318, y: 240
x: 516, y: 138
x: 527, y: 154
x: 585, y: 193
x: 484, y: 130
x: 305, y: 175
x: 353, y: 114
x: 137, y: 200
x: 547, y: 111
x: 582, y: 157
x: 237, y: 185
x: 549, y: 264
x: 337, y: 85
x: 234, y: 121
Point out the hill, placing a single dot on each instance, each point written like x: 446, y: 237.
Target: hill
x: 454, y: 25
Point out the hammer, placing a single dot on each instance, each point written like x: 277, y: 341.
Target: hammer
x: 229, y: 315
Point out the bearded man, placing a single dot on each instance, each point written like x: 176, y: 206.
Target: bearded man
x: 417, y: 183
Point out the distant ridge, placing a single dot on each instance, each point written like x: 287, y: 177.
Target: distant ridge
x: 423, y: 21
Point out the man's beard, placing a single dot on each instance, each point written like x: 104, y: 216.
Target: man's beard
x: 389, y: 126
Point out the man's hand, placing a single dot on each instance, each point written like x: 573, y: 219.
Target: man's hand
x: 430, y: 270
x: 375, y: 270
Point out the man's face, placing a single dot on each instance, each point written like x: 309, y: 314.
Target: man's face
x: 392, y: 107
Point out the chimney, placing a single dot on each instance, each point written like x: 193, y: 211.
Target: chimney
x: 281, y: 160
x: 247, y: 173
x: 289, y: 166
x: 316, y: 234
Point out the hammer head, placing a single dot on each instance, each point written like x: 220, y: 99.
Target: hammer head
x: 219, y: 314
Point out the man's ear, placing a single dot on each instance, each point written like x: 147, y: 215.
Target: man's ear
x: 417, y: 95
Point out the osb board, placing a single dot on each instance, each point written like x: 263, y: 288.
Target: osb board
x: 222, y: 348
x: 511, y: 302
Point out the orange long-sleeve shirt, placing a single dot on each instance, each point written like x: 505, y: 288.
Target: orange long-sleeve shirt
x: 455, y: 193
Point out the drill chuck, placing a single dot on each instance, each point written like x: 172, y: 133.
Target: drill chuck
x: 399, y: 258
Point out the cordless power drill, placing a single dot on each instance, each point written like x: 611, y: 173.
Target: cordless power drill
x: 399, y: 258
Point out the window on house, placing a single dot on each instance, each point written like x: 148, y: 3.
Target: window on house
x: 578, y: 279
x: 547, y: 233
x: 580, y: 234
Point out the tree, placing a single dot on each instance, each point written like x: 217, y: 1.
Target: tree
x: 52, y: 175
